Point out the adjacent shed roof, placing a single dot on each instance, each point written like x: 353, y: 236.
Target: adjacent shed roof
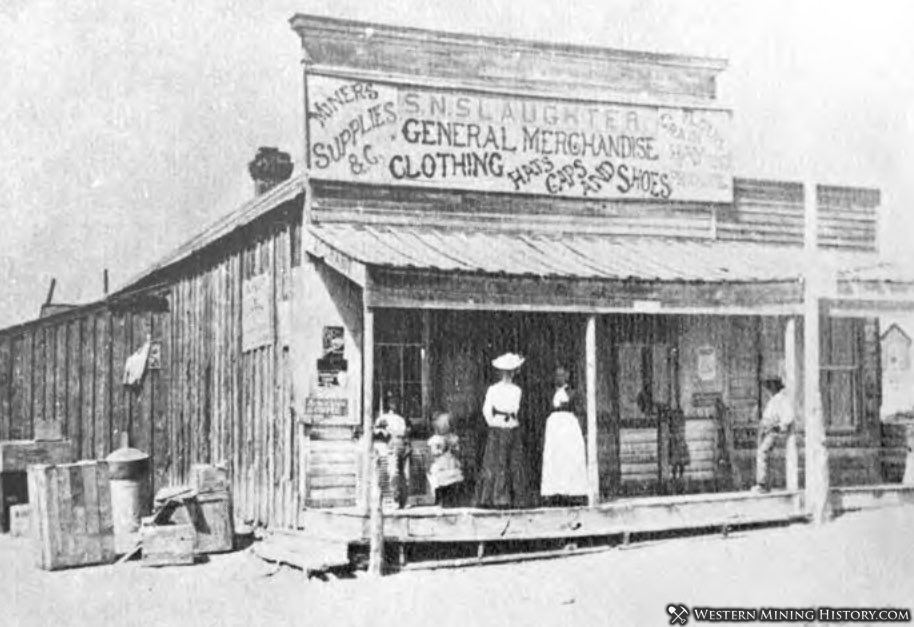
x: 579, y: 256
x: 241, y: 216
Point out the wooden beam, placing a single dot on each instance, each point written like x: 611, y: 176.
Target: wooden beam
x: 367, y: 404
x: 816, y: 493
x: 791, y: 454
x: 590, y: 359
x: 426, y: 365
x: 375, y: 518
x: 475, y: 291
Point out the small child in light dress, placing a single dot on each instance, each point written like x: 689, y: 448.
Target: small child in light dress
x: 445, y: 474
x: 392, y: 428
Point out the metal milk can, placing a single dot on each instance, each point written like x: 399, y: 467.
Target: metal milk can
x: 128, y: 469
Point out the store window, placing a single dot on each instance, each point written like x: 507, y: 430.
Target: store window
x: 398, y: 360
x: 840, y: 372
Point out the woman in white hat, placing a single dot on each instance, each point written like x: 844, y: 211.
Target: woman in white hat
x: 503, y: 477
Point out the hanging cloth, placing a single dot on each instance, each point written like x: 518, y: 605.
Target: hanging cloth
x: 135, y: 367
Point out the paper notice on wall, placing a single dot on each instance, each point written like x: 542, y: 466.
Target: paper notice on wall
x: 328, y: 411
x: 256, y: 312
x: 706, y: 365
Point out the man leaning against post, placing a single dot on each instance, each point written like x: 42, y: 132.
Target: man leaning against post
x: 777, y: 421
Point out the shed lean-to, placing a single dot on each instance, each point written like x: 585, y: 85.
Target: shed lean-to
x: 283, y: 324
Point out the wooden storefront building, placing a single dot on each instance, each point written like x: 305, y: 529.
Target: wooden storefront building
x: 461, y: 197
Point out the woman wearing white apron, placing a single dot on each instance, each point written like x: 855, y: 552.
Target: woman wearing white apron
x: 564, y: 478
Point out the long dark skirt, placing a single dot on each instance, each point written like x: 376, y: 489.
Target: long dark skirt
x: 503, y: 478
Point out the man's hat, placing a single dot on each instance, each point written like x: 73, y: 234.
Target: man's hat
x: 508, y: 361
x: 773, y: 383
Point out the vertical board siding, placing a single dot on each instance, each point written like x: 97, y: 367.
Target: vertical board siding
x: 50, y: 362
x: 6, y: 377
x: 21, y: 415
x: 226, y: 406
x: 69, y: 370
x: 210, y: 401
x: 73, y: 404
x: 61, y: 379
x: 37, y: 375
x: 102, y: 410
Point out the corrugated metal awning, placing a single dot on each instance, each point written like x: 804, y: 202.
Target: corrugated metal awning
x: 578, y: 256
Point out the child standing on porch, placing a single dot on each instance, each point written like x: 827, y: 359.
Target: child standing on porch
x: 393, y: 428
x: 445, y: 474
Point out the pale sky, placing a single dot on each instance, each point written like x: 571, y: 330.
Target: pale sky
x: 125, y: 127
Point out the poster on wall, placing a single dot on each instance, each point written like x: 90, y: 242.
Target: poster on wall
x: 706, y: 366
x: 154, y: 359
x: 371, y: 132
x: 256, y: 300
x: 332, y: 366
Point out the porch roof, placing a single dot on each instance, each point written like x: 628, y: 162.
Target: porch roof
x: 584, y: 256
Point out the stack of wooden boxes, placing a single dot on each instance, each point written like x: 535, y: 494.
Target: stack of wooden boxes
x: 190, y: 520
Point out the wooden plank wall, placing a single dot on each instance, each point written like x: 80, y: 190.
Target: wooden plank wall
x: 497, y: 63
x: 68, y: 369
x: 372, y: 204
x: 772, y: 212
x: 229, y: 406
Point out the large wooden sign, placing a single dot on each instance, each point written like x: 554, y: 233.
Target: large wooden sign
x: 394, y: 135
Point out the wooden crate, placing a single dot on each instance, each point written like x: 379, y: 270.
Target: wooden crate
x: 210, y: 514
x: 167, y: 545
x: 71, y: 514
x: 18, y: 455
x: 19, y: 521
x: 208, y: 478
x: 215, y: 528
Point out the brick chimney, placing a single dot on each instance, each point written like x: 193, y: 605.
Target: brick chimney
x: 269, y: 168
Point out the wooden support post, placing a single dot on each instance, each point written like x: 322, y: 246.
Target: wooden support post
x: 590, y: 360
x: 367, y: 406
x: 376, y: 519
x: 816, y: 492
x: 426, y: 366
x: 791, y: 455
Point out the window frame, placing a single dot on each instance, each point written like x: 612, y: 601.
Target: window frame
x: 381, y: 380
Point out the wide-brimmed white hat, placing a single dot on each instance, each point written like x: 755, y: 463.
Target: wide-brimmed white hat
x: 508, y: 361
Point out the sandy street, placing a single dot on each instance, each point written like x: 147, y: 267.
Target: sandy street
x: 860, y: 559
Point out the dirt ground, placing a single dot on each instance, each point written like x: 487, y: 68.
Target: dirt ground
x: 863, y: 559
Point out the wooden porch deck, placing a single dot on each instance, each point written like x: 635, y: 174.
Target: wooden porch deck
x: 619, y: 517
x: 325, y: 536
